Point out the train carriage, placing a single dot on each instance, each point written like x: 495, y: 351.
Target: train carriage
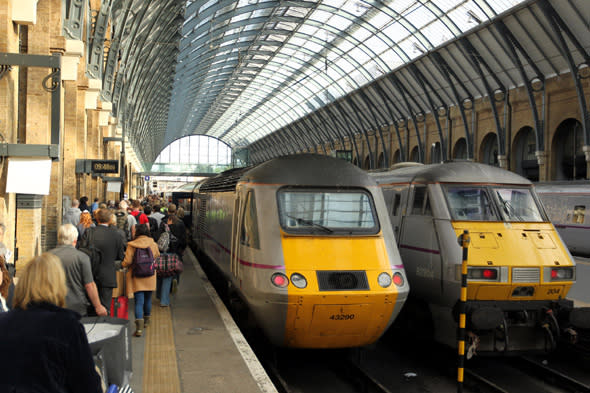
x: 519, y: 271
x: 567, y: 204
x: 306, y: 242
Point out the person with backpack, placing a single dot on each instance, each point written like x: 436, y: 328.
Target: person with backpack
x: 140, y: 217
x: 154, y: 226
x: 125, y: 221
x: 141, y: 275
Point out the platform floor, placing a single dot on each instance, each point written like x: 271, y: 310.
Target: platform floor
x: 194, y: 345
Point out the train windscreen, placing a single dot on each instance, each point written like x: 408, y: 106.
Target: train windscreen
x: 481, y: 203
x: 327, y: 212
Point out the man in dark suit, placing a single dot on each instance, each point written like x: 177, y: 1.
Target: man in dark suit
x: 109, y: 242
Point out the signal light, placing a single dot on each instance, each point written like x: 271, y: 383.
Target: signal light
x: 563, y: 273
x: 482, y: 274
x: 279, y: 280
x: 398, y: 279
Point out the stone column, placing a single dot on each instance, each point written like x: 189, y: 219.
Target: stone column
x: 586, y: 150
x: 503, y: 161
x: 28, y: 218
x: 543, y: 167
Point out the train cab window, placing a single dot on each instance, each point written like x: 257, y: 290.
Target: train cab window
x: 326, y: 212
x: 468, y: 203
x: 518, y: 204
x: 249, y: 229
x: 578, y: 216
x: 421, y: 205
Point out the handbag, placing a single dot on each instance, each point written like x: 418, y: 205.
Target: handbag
x: 168, y: 265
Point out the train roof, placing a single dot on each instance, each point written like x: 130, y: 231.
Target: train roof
x: 300, y: 169
x: 450, y: 172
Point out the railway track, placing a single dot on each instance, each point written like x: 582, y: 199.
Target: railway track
x: 552, y: 375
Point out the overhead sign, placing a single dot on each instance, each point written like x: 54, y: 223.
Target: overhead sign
x: 105, y: 166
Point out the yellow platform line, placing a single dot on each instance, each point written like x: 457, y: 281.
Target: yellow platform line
x: 160, y: 370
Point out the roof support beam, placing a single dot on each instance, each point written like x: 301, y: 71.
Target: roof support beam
x: 513, y: 46
x: 559, y: 28
x: 476, y: 62
x: 421, y: 80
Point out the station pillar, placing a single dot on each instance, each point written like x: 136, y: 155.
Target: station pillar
x: 586, y: 150
x: 543, y: 167
x: 28, y: 227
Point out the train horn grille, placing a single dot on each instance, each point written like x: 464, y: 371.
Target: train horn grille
x: 526, y: 274
x: 342, y: 280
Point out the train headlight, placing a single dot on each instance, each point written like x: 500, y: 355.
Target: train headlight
x: 384, y: 280
x: 298, y: 280
x: 398, y: 279
x: 279, y: 280
x: 560, y: 273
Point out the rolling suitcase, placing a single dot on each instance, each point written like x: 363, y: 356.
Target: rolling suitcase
x: 120, y: 303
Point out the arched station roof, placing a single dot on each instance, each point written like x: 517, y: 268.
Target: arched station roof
x: 285, y: 76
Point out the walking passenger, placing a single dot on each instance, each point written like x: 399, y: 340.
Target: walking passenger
x: 43, y: 345
x: 141, y: 287
x: 108, y: 241
x: 79, y: 280
x: 72, y: 215
x: 85, y: 223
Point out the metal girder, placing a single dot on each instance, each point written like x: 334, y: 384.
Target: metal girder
x: 476, y: 61
x: 404, y: 93
x: 346, y: 126
x: 559, y: 27
x: 513, y: 46
x: 113, y: 55
x: 74, y: 19
x: 448, y: 73
x: 96, y: 47
x: 422, y: 81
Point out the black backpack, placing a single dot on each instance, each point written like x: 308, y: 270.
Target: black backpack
x: 153, y: 228
x: 93, y: 252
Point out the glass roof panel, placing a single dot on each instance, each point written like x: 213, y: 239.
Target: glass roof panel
x: 295, y: 57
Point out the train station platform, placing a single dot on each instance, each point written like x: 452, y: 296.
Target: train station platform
x: 194, y: 345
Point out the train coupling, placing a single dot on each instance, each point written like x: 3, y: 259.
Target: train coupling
x: 570, y: 335
x: 472, y: 344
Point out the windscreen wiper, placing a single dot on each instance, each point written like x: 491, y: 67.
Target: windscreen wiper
x: 303, y: 221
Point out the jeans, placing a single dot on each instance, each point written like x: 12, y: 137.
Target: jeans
x: 163, y: 288
x: 143, y: 303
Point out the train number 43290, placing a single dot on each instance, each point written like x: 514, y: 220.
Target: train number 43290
x: 342, y: 317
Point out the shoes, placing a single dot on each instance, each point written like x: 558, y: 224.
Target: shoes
x: 164, y: 305
x: 174, y: 286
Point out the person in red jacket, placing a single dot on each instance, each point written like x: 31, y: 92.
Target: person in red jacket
x: 140, y: 216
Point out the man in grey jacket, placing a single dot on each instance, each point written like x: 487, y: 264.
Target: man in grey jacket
x: 78, y: 271
x: 72, y: 215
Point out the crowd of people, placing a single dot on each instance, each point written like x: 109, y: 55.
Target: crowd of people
x: 41, y: 312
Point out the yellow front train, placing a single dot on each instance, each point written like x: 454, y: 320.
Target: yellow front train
x: 519, y: 270
x: 305, y: 242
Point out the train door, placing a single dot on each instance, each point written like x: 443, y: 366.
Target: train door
x: 235, y: 236
x: 394, y: 199
x: 245, y: 238
x: 418, y: 244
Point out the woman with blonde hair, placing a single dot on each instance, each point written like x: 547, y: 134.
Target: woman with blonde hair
x: 48, y: 347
